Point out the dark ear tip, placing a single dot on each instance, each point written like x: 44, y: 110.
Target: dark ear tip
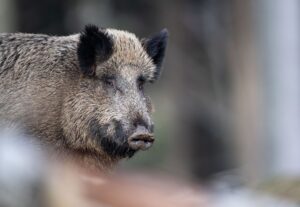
x: 163, y: 35
x: 91, y: 28
x: 164, y: 32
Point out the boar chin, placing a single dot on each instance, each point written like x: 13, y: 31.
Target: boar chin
x: 115, y: 149
x: 114, y: 145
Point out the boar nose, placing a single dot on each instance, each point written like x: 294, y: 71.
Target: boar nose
x: 141, y: 138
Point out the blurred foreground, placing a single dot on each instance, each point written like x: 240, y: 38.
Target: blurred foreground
x: 28, y: 179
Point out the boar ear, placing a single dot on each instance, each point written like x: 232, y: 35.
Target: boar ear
x: 155, y: 46
x: 94, y: 47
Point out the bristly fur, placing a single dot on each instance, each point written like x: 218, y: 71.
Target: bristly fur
x: 94, y: 47
x: 86, y: 119
x: 155, y: 46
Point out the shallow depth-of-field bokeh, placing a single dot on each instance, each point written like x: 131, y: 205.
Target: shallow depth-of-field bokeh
x: 227, y: 105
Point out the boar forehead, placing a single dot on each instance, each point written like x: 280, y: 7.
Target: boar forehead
x: 129, y: 57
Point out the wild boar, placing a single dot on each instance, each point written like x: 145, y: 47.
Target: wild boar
x: 82, y: 95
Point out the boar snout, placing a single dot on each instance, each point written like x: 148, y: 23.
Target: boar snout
x: 141, y: 139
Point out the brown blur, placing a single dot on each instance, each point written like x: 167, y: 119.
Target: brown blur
x: 72, y: 186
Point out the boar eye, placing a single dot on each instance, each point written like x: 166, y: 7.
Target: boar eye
x: 109, y: 80
x: 141, y: 82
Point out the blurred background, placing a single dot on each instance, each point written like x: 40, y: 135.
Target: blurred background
x: 228, y: 102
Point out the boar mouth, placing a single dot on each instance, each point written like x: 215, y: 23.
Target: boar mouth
x: 139, y: 141
x: 120, y: 144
